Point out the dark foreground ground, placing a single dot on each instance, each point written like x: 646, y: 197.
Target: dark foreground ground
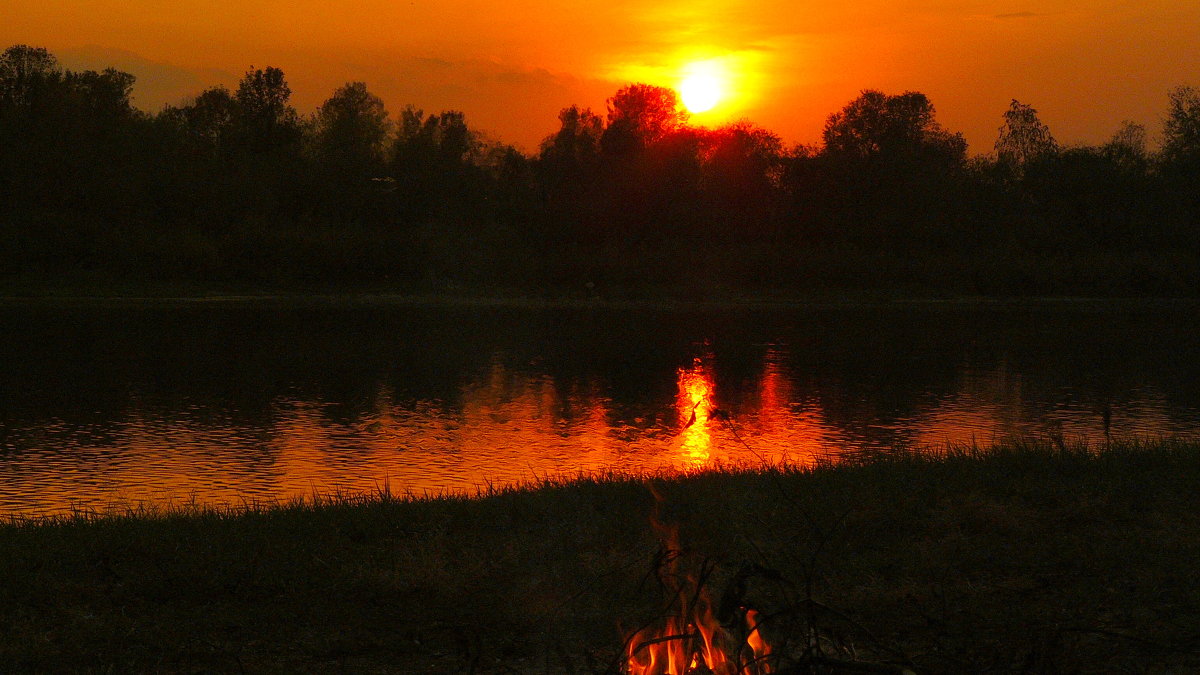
x: 1022, y: 559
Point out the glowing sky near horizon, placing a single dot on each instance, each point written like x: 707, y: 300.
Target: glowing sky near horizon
x: 1086, y: 65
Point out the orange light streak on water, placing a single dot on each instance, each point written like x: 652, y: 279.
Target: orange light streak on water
x: 506, y: 427
x: 780, y: 427
x: 694, y: 406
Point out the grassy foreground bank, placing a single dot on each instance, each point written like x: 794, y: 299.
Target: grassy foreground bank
x: 1026, y: 558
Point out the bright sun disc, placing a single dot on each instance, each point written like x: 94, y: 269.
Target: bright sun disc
x: 700, y: 92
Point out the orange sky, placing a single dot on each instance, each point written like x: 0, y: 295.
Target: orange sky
x: 1086, y: 65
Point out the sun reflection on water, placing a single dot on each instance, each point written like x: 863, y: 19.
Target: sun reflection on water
x: 508, y: 424
x: 694, y: 406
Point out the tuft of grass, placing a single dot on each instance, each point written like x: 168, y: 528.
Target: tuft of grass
x: 1027, y: 556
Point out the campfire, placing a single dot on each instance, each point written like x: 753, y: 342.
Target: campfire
x: 760, y: 623
x: 692, y: 635
x: 683, y: 645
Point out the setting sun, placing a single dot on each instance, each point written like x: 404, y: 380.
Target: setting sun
x: 700, y: 92
x: 702, y: 87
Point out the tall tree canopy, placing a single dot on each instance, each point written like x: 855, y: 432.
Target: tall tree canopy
x: 264, y: 109
x: 896, y: 127
x: 103, y: 95
x: 25, y: 70
x: 1181, y: 130
x: 576, y: 144
x: 1023, y: 137
x: 642, y: 114
x: 352, y: 128
x: 206, y: 122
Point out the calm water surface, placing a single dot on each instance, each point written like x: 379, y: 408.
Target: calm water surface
x: 232, y: 402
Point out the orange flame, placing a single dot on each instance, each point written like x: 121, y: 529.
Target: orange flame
x: 692, y: 640
x: 755, y: 639
x: 695, y: 642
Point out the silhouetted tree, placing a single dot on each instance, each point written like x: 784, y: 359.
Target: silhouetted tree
x: 891, y: 164
x: 444, y: 139
x: 25, y: 72
x: 741, y: 171
x: 236, y: 187
x: 1181, y: 158
x: 432, y: 163
x: 1181, y: 129
x: 101, y: 97
x: 33, y: 108
x: 30, y: 97
x: 415, y: 163
x: 270, y: 180
x: 639, y: 115
x: 207, y: 121
x: 352, y: 128
x: 205, y: 174
x: 669, y: 176
x: 515, y: 185
x: 97, y: 107
x: 455, y: 141
x: 1023, y: 137
x: 571, y: 156
x: 1081, y: 196
x: 72, y: 156
x: 807, y: 187
x: 350, y: 135
x: 1127, y: 148
x: 264, y: 111
x: 901, y: 126
x: 568, y: 173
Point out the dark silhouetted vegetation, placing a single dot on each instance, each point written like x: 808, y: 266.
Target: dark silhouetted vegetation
x: 237, y: 190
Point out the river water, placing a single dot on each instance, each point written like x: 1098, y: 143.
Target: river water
x: 229, y: 402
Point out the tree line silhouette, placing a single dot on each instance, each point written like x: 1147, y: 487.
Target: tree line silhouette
x: 237, y: 189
